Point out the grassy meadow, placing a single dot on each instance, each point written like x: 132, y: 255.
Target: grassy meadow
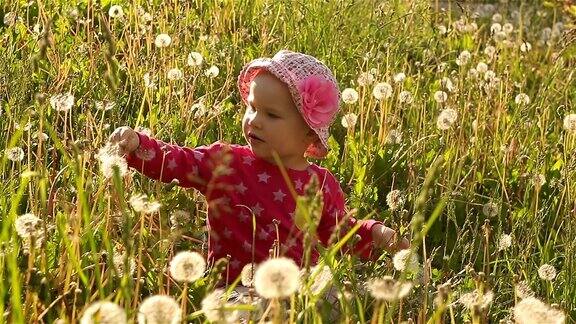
x: 457, y: 128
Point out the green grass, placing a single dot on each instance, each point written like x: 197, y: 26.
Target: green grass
x: 447, y: 176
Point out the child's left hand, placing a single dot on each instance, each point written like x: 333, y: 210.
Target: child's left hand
x: 386, y: 238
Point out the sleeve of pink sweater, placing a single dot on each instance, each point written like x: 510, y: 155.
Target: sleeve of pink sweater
x: 333, y: 215
x: 167, y: 162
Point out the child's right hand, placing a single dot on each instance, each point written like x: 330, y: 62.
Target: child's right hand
x: 126, y: 139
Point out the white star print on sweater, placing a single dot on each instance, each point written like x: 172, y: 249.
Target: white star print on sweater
x: 238, y: 187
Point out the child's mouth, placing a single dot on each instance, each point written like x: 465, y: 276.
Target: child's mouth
x: 254, y: 137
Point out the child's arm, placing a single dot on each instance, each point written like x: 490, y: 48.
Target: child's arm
x: 166, y: 162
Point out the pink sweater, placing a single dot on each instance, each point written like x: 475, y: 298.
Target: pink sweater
x: 238, y: 185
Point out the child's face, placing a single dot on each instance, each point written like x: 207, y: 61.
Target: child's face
x: 273, y: 123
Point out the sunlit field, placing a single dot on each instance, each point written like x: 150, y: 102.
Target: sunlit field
x: 457, y: 128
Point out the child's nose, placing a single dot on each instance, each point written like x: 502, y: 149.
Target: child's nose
x: 255, y: 120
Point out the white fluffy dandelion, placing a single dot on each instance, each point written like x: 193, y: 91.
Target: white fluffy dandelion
x: 104, y: 312
x: 446, y: 119
x: 523, y: 290
x: 123, y: 264
x: 162, y: 40
x: 388, y: 289
x: 522, y: 99
x: 320, y: 277
x: 109, y: 160
x: 30, y: 229
x: 569, y: 123
x: 394, y: 136
x: 474, y: 299
x: 490, y: 209
x: 405, y: 97
x: 399, y: 77
x: 116, y: 12
x: 463, y: 58
x: 179, y: 218
x: 214, y: 308
x: 141, y: 203
x: 349, y: 96
x: 195, y: 59
x: 532, y: 310
x: 481, y: 67
x: 187, y: 266
x: 525, y: 47
x: 365, y: 78
x: 276, y: 278
x: 15, y: 154
x: 159, y: 309
x: 174, y: 74
x: 440, y: 96
x: 10, y: 18
x: 247, y: 275
x: 212, y: 71
x: 349, y: 120
x: 490, y: 51
x: 406, y: 260
x: 62, y: 102
x: 547, y: 272
x: 395, y: 199
x: 504, y: 242
x: 382, y: 90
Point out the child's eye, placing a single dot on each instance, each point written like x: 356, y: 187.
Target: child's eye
x: 271, y: 115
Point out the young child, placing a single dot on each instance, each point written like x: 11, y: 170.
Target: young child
x: 291, y: 101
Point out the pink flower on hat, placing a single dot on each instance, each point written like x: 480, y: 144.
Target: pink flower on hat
x: 319, y: 100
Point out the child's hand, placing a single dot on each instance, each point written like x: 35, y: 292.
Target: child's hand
x: 126, y: 139
x: 386, y: 238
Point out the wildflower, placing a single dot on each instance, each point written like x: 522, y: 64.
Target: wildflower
x: 159, y: 309
x: 440, y: 96
x: 31, y: 230
x: 508, y: 28
x: 104, y: 312
x: 214, y: 308
x: 547, y: 272
x: 497, y: 17
x: 532, y: 310
x: 538, y: 180
x: 110, y: 159
x: 212, y: 72
x: 523, y: 290
x: 247, y: 275
x: 442, y: 29
x: 320, y: 277
x: 406, y: 260
x: 10, y: 18
x: 365, y: 79
x: 463, y: 58
x: 522, y: 99
x: 349, y: 120
x: 146, y: 17
x: 148, y: 81
x: 504, y: 242
x: 174, y: 74
x: 141, y: 203
x: 388, y: 289
x: 490, y: 51
x: 525, y: 47
x: 195, y: 59
x: 405, y: 97
x: 62, y: 102
x: 15, y: 154
x: 446, y: 119
x: 116, y: 11
x: 495, y: 28
x: 162, y: 40
x: 199, y: 108
x: 104, y: 105
x: 490, y: 209
x: 349, y: 96
x: 489, y: 76
x: 570, y: 123
x: 120, y: 260
x: 276, y: 278
x: 187, y: 266
x: 399, y: 77
x: 481, y: 67
x: 476, y: 299
x: 382, y: 90
x: 179, y: 218
x: 500, y: 37
x: 447, y: 84
x: 395, y: 199
x: 394, y: 137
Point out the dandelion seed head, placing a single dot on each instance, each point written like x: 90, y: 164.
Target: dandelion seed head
x: 394, y: 137
x: 179, y: 218
x: 547, y: 272
x: 531, y: 310
x: 187, y: 266
x: 489, y: 75
x: 395, y: 199
x: 104, y: 105
x: 442, y: 29
x: 523, y: 290
x: 118, y: 260
x: 522, y: 99
x: 15, y: 154
x: 538, y: 179
x: 399, y: 77
x: 497, y: 17
x: 10, y: 18
x: 365, y: 78
x: 474, y: 299
x: 382, y: 90
x: 446, y: 119
x: 320, y: 277
x: 195, y: 59
x: 31, y: 230
x: 440, y: 96
x: 349, y: 96
x: 504, y: 242
x: 62, y: 102
x: 141, y: 204
x: 116, y: 12
x: 508, y: 28
x: 406, y: 260
x: 525, y: 47
x: 162, y: 40
x: 490, y: 51
x: 387, y: 288
x: 463, y: 58
x: 405, y: 97
x: 174, y: 74
x: 569, y: 123
x: 349, y: 120
x: 490, y: 209
x: 109, y: 159
x: 214, y: 308
x: 247, y: 275
x: 159, y: 309
x: 212, y: 71
x: 104, y: 312
x: 276, y: 278
x: 481, y: 67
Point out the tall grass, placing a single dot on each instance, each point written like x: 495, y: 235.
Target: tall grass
x: 496, y: 151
